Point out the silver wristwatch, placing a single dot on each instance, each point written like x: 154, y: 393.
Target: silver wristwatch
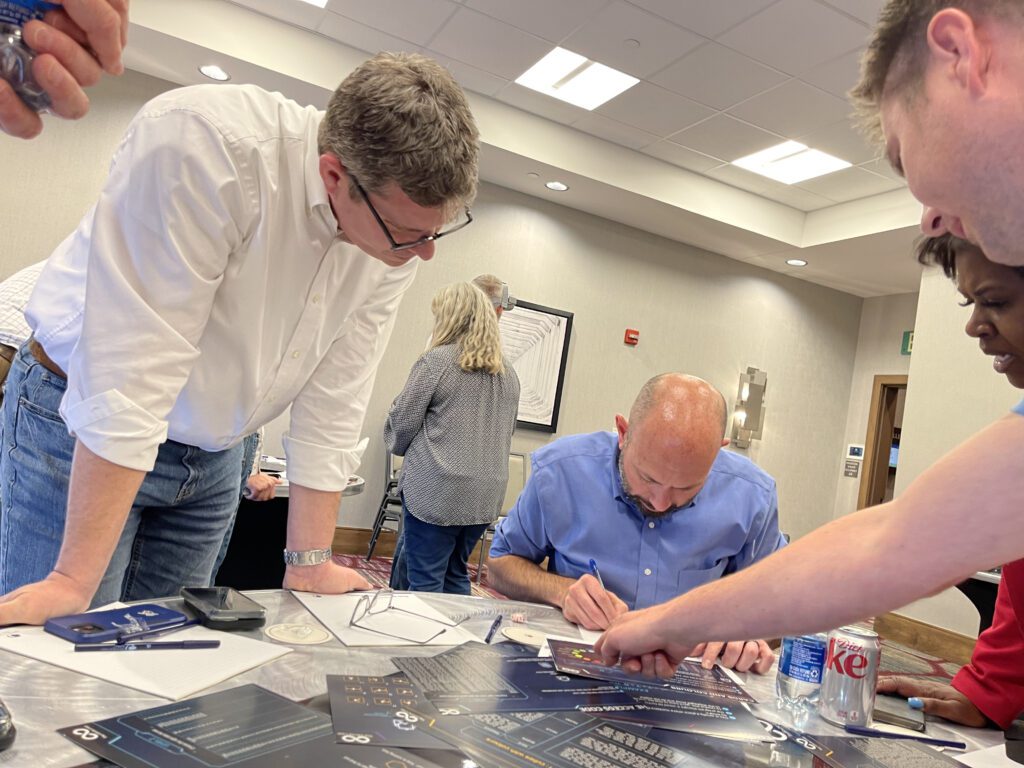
x: 307, y: 556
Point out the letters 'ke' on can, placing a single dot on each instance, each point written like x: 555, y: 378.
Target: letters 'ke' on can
x: 851, y: 673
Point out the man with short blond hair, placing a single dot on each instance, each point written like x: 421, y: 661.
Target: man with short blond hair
x: 247, y: 254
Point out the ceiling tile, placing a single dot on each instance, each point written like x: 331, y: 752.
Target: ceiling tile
x: 654, y: 109
x: 361, y: 36
x: 490, y: 45
x: 792, y: 109
x: 604, y: 38
x: 417, y: 21
x: 843, y: 140
x: 837, y: 76
x: 299, y: 14
x: 798, y: 198
x: 795, y: 35
x: 725, y: 137
x: 682, y: 157
x: 473, y: 79
x: 849, y: 184
x: 864, y: 10
x: 882, y: 168
x: 614, y: 131
x: 551, y: 20
x: 717, y: 76
x: 541, y: 104
x: 705, y: 18
x: 743, y: 179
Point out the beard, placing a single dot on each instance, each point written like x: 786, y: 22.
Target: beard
x: 638, y: 500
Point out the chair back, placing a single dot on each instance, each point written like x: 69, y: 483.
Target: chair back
x: 392, y: 468
x: 517, y: 465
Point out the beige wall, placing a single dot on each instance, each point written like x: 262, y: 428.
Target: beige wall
x: 60, y: 173
x: 882, y: 322
x: 953, y: 393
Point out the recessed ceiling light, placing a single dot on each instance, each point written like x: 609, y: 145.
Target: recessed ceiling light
x: 796, y: 262
x: 791, y: 162
x: 533, y: 175
x: 557, y: 186
x: 317, y: 3
x: 575, y: 79
x: 214, y: 72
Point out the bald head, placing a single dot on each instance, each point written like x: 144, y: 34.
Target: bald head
x: 669, y: 444
x: 681, y: 403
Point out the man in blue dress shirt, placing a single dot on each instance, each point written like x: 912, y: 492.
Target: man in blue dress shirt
x: 658, y: 507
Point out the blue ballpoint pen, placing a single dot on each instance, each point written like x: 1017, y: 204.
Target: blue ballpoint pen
x: 156, y: 645
x: 596, y: 573
x: 861, y: 730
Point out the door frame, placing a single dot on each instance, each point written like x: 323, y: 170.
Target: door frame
x: 881, y: 420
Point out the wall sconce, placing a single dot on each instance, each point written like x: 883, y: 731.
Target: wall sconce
x: 748, y: 418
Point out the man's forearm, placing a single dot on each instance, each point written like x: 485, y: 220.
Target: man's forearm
x: 99, y: 498
x: 518, y: 578
x: 312, y: 520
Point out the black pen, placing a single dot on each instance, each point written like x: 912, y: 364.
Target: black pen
x: 166, y: 645
x: 132, y: 636
x: 861, y: 730
x: 494, y: 628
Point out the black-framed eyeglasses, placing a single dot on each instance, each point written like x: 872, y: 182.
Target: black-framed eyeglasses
x: 396, y: 246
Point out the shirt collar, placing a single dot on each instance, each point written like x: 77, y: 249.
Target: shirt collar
x: 318, y: 205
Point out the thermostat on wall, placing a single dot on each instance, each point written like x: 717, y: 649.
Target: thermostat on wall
x: 855, y: 452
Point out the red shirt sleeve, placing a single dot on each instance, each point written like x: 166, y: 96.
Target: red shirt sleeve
x: 994, y: 680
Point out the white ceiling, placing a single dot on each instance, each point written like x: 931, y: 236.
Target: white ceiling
x: 719, y: 79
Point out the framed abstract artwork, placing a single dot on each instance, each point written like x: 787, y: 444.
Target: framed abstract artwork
x: 536, y: 339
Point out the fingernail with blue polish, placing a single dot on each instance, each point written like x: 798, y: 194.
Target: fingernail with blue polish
x: 915, y: 703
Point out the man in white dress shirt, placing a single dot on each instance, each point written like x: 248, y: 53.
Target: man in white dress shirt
x: 245, y: 254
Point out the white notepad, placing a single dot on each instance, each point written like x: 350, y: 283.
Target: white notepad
x: 172, y: 674
x: 415, y: 620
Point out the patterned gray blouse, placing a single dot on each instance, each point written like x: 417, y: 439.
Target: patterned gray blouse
x: 454, y: 428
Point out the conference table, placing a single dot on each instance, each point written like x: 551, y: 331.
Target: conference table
x: 42, y: 697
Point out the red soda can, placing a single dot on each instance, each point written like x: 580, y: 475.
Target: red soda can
x: 850, y: 676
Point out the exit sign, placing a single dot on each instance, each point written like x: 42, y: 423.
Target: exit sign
x: 908, y: 343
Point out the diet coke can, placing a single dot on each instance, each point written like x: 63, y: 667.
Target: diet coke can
x: 851, y: 672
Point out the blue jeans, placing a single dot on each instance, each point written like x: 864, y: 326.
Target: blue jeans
x: 432, y: 558
x: 250, y: 443
x: 173, y: 532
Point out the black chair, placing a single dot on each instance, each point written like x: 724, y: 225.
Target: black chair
x: 390, y: 509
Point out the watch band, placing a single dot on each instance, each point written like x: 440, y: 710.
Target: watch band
x: 307, y: 556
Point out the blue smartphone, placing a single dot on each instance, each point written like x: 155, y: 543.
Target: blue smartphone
x: 106, y: 626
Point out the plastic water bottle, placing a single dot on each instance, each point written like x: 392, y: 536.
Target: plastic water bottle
x: 798, y: 682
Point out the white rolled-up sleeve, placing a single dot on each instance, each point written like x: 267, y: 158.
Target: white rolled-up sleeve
x: 173, y: 210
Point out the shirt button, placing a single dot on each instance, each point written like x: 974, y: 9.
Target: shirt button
x: 296, y: 354
x: 647, y: 571
x: 316, y: 299
x: 650, y: 524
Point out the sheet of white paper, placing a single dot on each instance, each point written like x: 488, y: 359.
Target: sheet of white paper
x: 172, y: 674
x: 413, y: 621
x: 993, y: 757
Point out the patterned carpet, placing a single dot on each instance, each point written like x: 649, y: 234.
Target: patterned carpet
x: 378, y: 570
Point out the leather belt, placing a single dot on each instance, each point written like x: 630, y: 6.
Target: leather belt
x: 44, y: 359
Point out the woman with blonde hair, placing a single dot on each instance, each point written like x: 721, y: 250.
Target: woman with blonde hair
x: 453, y: 423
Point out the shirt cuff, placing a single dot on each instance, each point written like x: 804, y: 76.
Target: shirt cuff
x: 114, y: 428
x: 320, y: 467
